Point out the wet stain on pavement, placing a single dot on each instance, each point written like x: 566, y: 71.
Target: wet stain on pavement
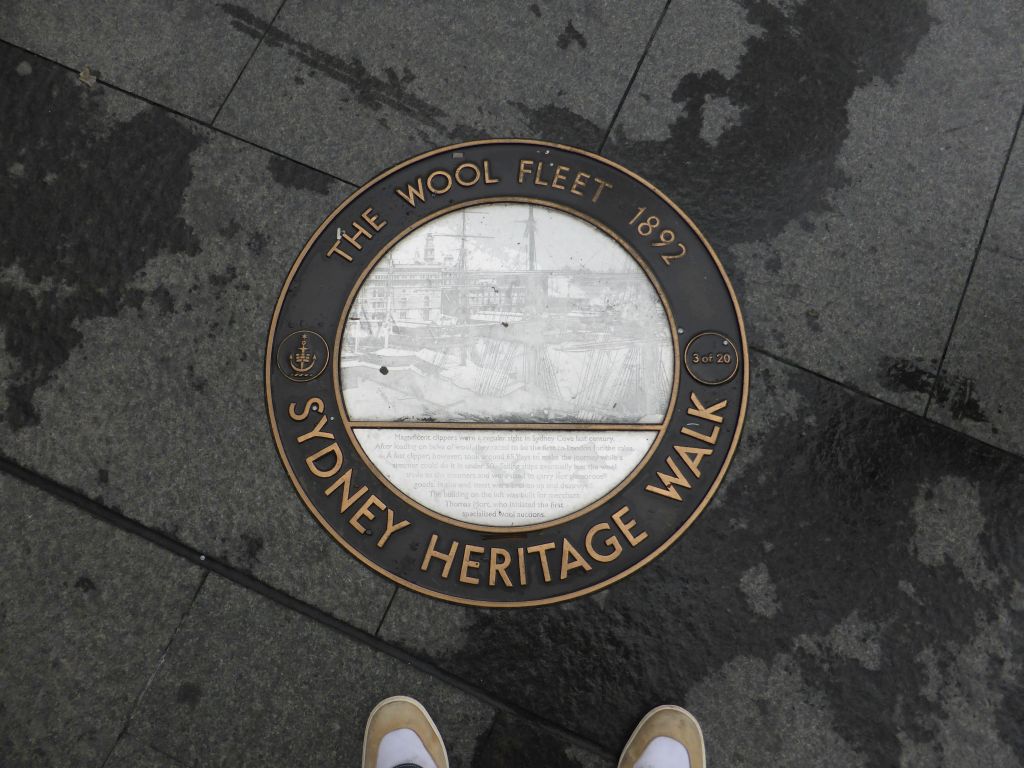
x: 512, y: 741
x: 571, y: 35
x: 956, y: 393
x: 189, y: 694
x: 879, y: 587
x: 367, y: 89
x: 81, y: 218
x: 295, y: 176
x: 777, y: 160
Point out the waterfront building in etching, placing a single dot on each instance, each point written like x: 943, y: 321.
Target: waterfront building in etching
x: 507, y: 313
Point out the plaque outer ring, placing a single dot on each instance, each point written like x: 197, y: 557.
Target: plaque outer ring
x: 401, y: 560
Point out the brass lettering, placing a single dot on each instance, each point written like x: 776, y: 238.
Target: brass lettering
x: 365, y: 511
x: 522, y: 567
x: 392, y: 526
x: 541, y: 550
x: 462, y: 182
x: 336, y: 250
x: 467, y: 562
x: 373, y: 219
x: 353, y: 240
x: 499, y: 568
x: 670, y: 482
x: 601, y: 186
x: 524, y: 168
x: 580, y: 181
x: 316, y: 432
x: 312, y: 460
x: 344, y: 482
x: 571, y: 559
x: 432, y: 552
x: 412, y: 194
x: 709, y: 439
x: 612, y: 541
x: 314, y: 404
x: 626, y: 526
x: 536, y: 176
x: 711, y: 414
x: 488, y: 179
x: 447, y: 182
x: 560, y: 171
x: 693, y: 456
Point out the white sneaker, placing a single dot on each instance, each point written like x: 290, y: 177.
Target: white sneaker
x: 667, y: 737
x: 400, y: 733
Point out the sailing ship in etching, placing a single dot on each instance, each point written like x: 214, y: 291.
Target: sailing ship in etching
x: 456, y: 327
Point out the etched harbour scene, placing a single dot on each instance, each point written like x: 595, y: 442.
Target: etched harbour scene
x: 506, y: 364
x: 507, y: 312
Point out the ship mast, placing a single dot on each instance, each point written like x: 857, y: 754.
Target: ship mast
x: 531, y: 234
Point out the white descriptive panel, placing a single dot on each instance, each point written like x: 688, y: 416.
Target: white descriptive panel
x: 504, y: 477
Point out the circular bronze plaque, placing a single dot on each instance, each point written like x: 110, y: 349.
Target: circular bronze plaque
x: 506, y: 373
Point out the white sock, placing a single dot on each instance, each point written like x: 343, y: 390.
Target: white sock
x: 663, y: 752
x: 404, y: 746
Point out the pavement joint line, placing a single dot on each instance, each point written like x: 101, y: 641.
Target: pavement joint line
x: 247, y: 581
x: 974, y: 261
x: 384, y: 615
x: 183, y: 115
x: 156, y: 668
x: 247, y: 61
x: 632, y: 79
x: 860, y: 393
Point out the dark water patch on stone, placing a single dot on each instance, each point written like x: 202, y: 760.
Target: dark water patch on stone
x: 778, y: 161
x: 832, y: 508
x: 901, y: 375
x: 368, y: 89
x: 535, y: 10
x: 69, y: 250
x: 252, y: 545
x: 552, y: 121
x: 85, y: 584
x: 189, y: 694
x: 512, y: 741
x: 571, y: 35
x: 295, y: 176
x: 957, y: 393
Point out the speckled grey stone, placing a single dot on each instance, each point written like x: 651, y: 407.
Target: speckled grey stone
x: 841, y: 158
x: 134, y: 328
x: 247, y: 682
x: 131, y: 753
x: 85, y: 613
x: 353, y: 87
x: 980, y: 390
x: 854, y: 596
x: 184, y: 54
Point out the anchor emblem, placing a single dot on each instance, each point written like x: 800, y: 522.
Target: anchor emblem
x: 302, y: 360
x: 303, y: 355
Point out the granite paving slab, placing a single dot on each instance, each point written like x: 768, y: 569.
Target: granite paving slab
x: 841, y: 157
x: 853, y: 597
x: 980, y: 389
x: 131, y: 753
x: 184, y: 54
x: 140, y: 263
x: 514, y: 741
x: 353, y: 87
x: 248, y: 683
x: 85, y: 613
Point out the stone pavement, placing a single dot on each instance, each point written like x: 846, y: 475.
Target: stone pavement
x: 854, y: 596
